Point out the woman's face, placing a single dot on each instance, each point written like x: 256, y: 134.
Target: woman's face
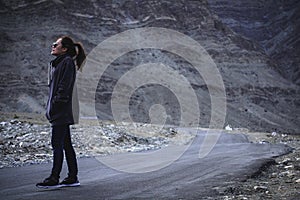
x: 57, y: 48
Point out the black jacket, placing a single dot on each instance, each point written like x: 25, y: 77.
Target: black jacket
x: 62, y: 78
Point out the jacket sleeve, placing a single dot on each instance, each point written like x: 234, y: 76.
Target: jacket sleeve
x: 66, y: 82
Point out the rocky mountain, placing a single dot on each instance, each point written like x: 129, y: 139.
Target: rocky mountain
x: 261, y: 94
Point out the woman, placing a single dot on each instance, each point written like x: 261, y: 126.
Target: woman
x: 62, y: 76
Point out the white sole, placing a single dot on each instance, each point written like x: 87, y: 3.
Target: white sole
x: 49, y: 187
x: 70, y: 185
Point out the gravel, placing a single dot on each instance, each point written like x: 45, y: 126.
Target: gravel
x: 279, y: 179
x: 24, y: 143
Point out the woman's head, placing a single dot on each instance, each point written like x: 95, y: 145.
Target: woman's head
x: 65, y: 45
x: 57, y: 48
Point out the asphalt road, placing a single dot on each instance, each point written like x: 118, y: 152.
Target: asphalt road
x: 232, y: 159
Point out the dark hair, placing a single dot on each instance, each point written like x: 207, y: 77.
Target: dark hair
x: 68, y: 43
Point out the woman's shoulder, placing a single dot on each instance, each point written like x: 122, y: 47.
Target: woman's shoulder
x: 68, y: 60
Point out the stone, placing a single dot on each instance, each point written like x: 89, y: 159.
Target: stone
x: 260, y: 188
x: 285, y: 161
x: 288, y: 167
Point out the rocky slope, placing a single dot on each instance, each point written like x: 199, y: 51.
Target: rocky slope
x: 258, y: 95
x: 275, y: 25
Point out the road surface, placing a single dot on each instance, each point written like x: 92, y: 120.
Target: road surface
x: 233, y: 158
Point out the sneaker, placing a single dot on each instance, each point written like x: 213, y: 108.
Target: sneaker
x: 49, y: 183
x: 70, y: 182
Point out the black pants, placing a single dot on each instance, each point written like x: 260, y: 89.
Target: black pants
x: 61, y: 141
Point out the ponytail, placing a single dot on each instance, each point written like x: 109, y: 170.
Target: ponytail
x: 80, y: 56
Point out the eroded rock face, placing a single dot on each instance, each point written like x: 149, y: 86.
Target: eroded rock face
x: 258, y: 97
x: 275, y: 25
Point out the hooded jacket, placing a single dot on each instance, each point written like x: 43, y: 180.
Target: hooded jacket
x: 62, y: 75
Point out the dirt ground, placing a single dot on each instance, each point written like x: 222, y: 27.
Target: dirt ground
x: 280, y: 179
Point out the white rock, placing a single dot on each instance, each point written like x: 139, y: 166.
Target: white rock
x: 260, y: 187
x: 228, y: 128
x: 3, y: 123
x: 21, y: 144
x: 288, y: 167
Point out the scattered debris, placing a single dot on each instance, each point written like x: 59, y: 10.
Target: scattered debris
x: 279, y: 181
x: 23, y: 143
